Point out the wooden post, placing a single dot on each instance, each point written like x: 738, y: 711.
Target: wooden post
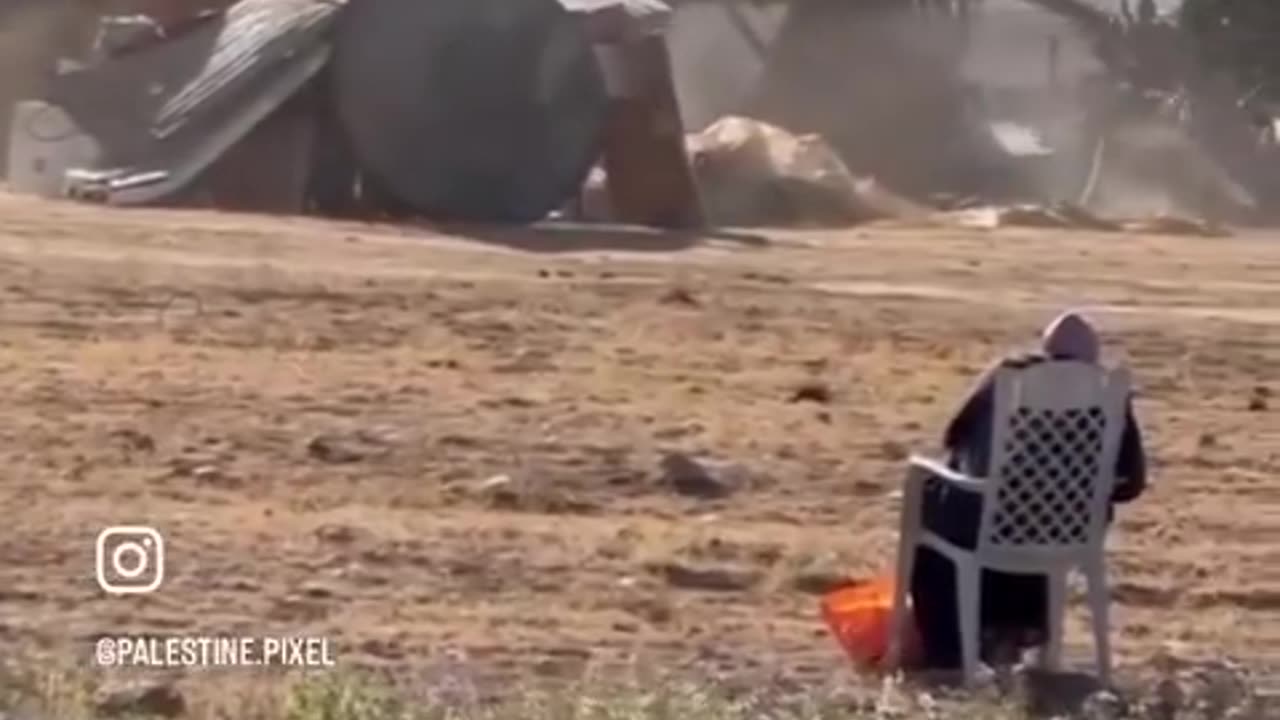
x: 650, y: 181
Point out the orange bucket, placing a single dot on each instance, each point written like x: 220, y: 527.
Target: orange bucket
x: 859, y: 616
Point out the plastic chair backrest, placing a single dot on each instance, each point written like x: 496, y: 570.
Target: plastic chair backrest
x: 1056, y: 432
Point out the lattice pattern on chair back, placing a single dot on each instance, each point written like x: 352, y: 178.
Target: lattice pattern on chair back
x: 1058, y: 427
x: 1051, y: 465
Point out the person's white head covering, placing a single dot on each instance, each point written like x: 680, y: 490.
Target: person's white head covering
x: 1071, y: 337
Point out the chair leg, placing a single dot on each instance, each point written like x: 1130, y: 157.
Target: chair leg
x: 969, y: 607
x: 908, y: 538
x: 1052, y: 657
x: 1100, y: 612
x: 901, y: 611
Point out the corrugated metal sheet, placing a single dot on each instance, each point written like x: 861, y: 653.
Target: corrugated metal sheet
x: 257, y: 33
x: 143, y: 103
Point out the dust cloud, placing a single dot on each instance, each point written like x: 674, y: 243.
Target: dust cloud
x: 928, y: 105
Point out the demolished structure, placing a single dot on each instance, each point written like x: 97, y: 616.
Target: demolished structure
x: 471, y: 110
x: 503, y: 110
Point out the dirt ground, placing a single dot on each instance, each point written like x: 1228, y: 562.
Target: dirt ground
x: 314, y: 416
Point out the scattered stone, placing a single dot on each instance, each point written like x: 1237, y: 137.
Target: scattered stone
x: 341, y: 449
x: 316, y: 591
x: 1208, y: 440
x: 213, y: 475
x: 500, y: 491
x: 769, y: 554
x: 1055, y: 694
x: 770, y: 278
x: 386, y: 649
x: 496, y: 482
x: 893, y: 450
x: 820, y: 574
x: 134, y: 441
x: 1104, y: 705
x: 676, y: 432
x: 337, y: 534
x: 654, y: 610
x: 812, y: 391
x: 1259, y: 400
x: 717, y: 579
x: 702, y: 478
x: 680, y: 296
x: 148, y: 698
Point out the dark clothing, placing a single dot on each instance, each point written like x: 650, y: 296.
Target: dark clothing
x: 968, y: 435
x: 1011, y: 602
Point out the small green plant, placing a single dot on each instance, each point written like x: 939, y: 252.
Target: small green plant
x: 343, y: 696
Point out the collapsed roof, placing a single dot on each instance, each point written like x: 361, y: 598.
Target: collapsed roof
x: 460, y: 109
x: 166, y: 111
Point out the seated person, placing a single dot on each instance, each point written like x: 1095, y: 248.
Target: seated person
x: 1014, y: 606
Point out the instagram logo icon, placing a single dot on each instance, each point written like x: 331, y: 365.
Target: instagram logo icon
x: 129, y: 559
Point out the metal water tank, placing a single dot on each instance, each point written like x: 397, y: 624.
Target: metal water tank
x: 470, y: 110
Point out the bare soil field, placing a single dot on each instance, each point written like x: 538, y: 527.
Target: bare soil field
x: 319, y: 418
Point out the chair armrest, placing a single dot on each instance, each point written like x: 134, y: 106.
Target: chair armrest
x: 942, y: 472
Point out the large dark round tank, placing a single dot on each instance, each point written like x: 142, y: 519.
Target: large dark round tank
x: 471, y: 110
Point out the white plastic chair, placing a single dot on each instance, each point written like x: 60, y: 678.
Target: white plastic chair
x: 1056, y: 432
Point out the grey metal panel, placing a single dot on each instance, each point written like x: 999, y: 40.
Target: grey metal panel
x: 612, y: 19
x: 636, y: 8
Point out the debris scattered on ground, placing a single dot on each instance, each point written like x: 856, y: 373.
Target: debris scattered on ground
x: 701, y: 477
x: 1067, y: 216
x: 1171, y: 225
x: 991, y: 217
